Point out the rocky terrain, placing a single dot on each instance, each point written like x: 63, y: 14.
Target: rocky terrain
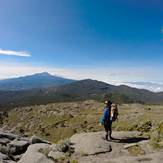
x: 70, y: 132
x: 89, y: 147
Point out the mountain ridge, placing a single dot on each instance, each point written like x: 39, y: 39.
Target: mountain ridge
x: 78, y: 91
x: 38, y: 80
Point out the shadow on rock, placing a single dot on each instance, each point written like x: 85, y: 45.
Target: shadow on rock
x: 129, y: 139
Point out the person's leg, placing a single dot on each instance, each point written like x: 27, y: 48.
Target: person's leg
x: 110, y: 130
x: 106, y: 130
x: 106, y: 135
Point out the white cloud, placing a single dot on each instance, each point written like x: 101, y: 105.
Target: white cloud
x: 152, y: 86
x: 9, y: 70
x: 15, y: 53
x: 17, y: 70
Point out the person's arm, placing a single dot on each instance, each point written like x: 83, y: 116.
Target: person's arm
x: 103, y: 117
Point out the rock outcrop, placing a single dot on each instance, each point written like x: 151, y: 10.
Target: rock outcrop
x: 91, y: 147
x: 34, y: 139
x: 126, y: 147
x: 90, y: 143
x: 33, y: 154
x: 14, y: 148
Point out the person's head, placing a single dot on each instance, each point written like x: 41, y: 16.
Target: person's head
x: 106, y: 98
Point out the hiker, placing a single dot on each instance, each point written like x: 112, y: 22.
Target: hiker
x: 110, y: 114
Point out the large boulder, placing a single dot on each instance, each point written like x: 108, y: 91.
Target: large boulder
x: 19, y: 146
x: 8, y: 150
x: 34, y: 139
x: 90, y: 143
x: 3, y: 157
x: 4, y: 149
x: 34, y: 155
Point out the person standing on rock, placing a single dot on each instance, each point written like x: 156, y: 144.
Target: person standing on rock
x: 106, y: 119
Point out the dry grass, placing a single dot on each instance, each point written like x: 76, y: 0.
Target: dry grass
x: 61, y: 120
x: 136, y: 150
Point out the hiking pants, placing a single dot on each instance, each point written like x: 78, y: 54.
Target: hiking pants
x: 108, y: 128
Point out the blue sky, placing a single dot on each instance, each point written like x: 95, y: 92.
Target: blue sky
x: 111, y: 40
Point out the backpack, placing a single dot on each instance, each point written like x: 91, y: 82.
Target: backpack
x: 114, y: 112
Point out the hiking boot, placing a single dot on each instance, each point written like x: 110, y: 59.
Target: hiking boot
x: 110, y: 133
x: 106, y: 136
x: 111, y: 138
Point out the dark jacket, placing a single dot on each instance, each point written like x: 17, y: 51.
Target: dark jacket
x: 107, y: 113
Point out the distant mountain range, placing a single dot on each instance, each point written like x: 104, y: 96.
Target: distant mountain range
x: 153, y: 86
x: 40, y: 80
x: 44, y: 88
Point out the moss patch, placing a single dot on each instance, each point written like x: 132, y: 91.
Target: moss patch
x: 136, y: 150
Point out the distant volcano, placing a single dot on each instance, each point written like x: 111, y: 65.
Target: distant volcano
x: 39, y: 80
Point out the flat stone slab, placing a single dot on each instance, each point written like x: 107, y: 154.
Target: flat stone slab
x: 7, y: 161
x: 33, y: 155
x: 56, y: 155
x: 34, y: 139
x: 8, y: 135
x: 130, y: 145
x: 90, y: 143
x: 19, y: 144
x: 4, y: 141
